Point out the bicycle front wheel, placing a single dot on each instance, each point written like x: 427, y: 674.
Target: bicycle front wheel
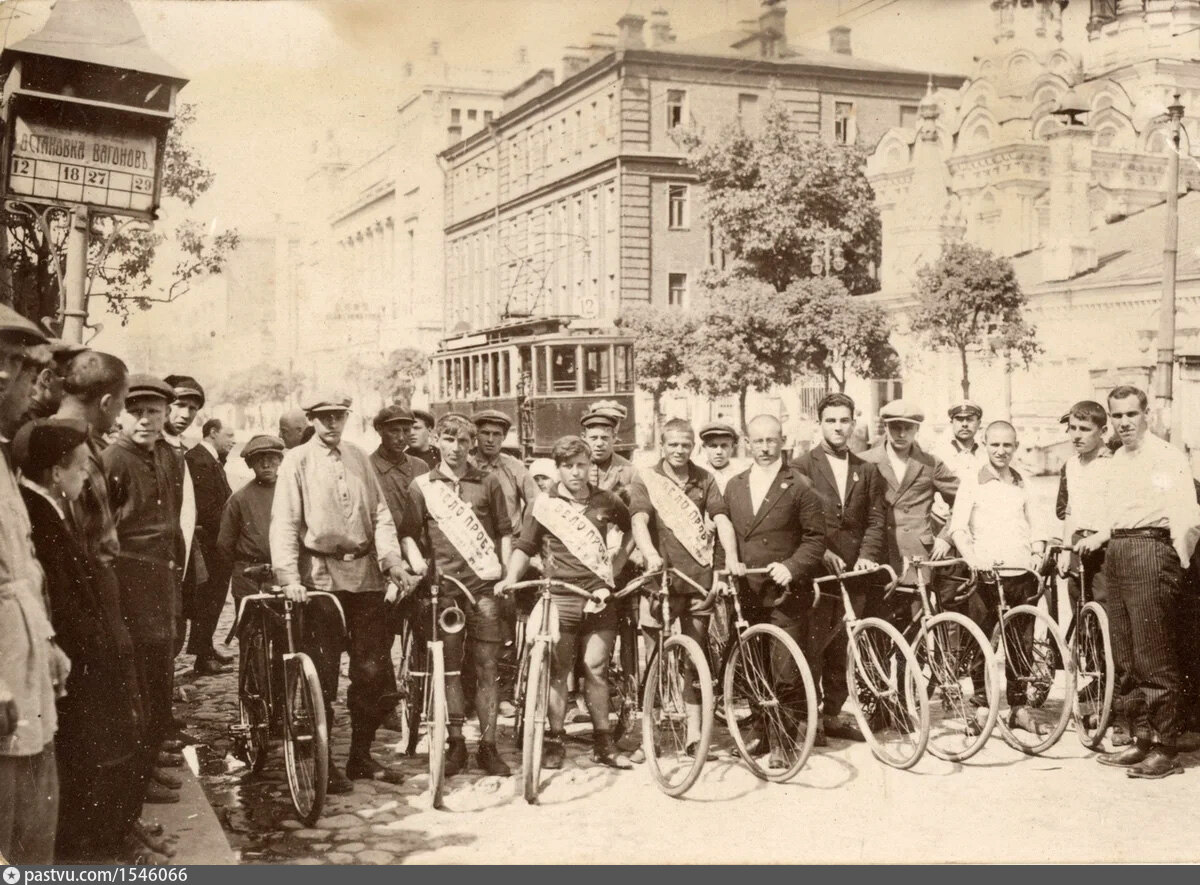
x: 435, y: 723
x: 537, y: 696
x: 305, y: 738
x: 1033, y: 714
x: 961, y: 680
x: 408, y: 709
x: 676, y: 733
x: 1091, y: 647
x: 770, y: 702
x: 890, y: 702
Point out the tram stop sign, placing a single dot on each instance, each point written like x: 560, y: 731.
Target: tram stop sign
x: 86, y: 107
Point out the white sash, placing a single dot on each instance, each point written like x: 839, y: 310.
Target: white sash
x: 462, y: 528
x: 577, y: 534
x: 680, y: 514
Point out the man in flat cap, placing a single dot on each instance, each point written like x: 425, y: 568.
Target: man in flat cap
x: 491, y: 428
x: 186, y: 402
x: 718, y: 440
x: 610, y: 471
x: 206, y: 464
x: 961, y: 449
x: 394, y: 466
x: 331, y: 530
x: 48, y: 388
x: 242, y: 540
x: 421, y: 443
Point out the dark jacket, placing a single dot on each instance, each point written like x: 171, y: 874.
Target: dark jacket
x: 911, y: 529
x: 854, y: 528
x: 789, y: 528
x: 212, y: 491
x: 395, y: 477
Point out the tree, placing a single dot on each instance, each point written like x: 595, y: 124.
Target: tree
x: 405, y: 366
x: 122, y: 257
x: 780, y: 199
x: 660, y: 348
x: 259, y: 384
x: 836, y: 333
x: 969, y: 301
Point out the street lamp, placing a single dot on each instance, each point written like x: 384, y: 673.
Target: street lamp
x: 829, y: 260
x: 1164, y: 376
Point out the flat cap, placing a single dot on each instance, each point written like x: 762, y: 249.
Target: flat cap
x: 328, y: 402
x: 606, y: 411
x: 43, y: 443
x: 965, y: 407
x: 492, y: 416
x: 902, y: 410
x: 64, y: 351
x: 424, y: 417
x: 392, y: 415
x: 15, y: 328
x: 148, y: 386
x: 717, y: 428
x: 260, y: 444
x: 543, y: 467
x: 185, y: 387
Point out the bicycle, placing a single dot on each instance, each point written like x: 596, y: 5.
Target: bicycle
x: 890, y: 702
x: 429, y: 684
x: 533, y: 685
x: 1090, y: 642
x: 674, y: 757
x: 263, y: 679
x: 954, y: 656
x: 755, y: 696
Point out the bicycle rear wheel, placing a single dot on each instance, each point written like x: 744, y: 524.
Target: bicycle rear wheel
x: 408, y: 708
x: 888, y: 675
x: 1029, y: 642
x: 435, y: 723
x: 520, y: 689
x: 1091, y: 647
x: 537, y: 696
x: 305, y: 738
x: 961, y: 680
x: 252, y: 735
x: 770, y: 702
x: 674, y: 756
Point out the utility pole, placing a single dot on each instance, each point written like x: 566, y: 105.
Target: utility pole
x: 1165, y: 374
x: 75, y: 279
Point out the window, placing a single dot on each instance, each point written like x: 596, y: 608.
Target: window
x: 623, y: 366
x: 471, y: 114
x: 675, y: 109
x: 579, y: 131
x: 563, y: 371
x: 550, y: 144
x: 455, y: 115
x: 505, y: 384
x: 844, y: 130
x: 677, y: 290
x: 487, y: 116
x: 747, y: 110
x: 596, y: 369
x: 594, y: 124
x: 677, y: 208
x: 716, y: 255
x: 908, y: 116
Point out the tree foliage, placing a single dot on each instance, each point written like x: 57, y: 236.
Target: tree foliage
x: 394, y: 378
x: 257, y: 385
x: 777, y: 196
x: 969, y: 301
x: 662, y: 344
x: 835, y: 334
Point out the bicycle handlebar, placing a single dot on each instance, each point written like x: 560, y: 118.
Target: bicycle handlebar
x: 544, y: 582
x: 841, y: 576
x: 460, y: 585
x: 640, y: 582
x: 932, y: 563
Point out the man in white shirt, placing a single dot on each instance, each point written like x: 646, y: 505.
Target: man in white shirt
x: 1151, y: 522
x: 1082, y: 489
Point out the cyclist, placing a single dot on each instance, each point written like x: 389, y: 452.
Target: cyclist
x: 670, y: 506
x: 461, y: 517
x: 570, y: 526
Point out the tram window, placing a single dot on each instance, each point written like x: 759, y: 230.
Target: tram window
x: 504, y: 383
x: 539, y: 370
x: 458, y: 381
x: 489, y: 385
x: 597, y: 370
x: 475, y: 376
x: 563, y: 371
x: 623, y: 366
x: 493, y: 375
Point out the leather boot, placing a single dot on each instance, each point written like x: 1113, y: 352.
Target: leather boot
x: 1131, y: 755
x: 336, y: 783
x: 604, y: 752
x: 157, y: 794
x: 487, y: 757
x: 552, y: 751
x: 1159, y: 762
x: 155, y: 842
x: 167, y: 779
x: 456, y: 756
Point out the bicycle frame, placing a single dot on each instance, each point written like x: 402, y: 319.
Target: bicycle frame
x: 1085, y: 594
x: 849, y: 617
x: 433, y: 638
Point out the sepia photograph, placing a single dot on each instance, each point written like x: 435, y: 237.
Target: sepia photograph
x: 591, y: 432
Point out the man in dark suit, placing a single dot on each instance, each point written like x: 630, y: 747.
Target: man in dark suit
x: 777, y: 517
x: 205, y: 463
x: 855, y: 520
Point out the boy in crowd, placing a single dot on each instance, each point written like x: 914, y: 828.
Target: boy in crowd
x: 719, y: 441
x: 244, y: 536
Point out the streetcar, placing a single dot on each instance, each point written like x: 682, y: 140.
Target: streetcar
x: 543, y: 372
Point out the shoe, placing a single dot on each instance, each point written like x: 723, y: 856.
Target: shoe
x: 364, y: 768
x: 456, y: 757
x: 157, y: 794
x: 690, y: 750
x: 151, y: 840
x: 836, y: 727
x: 553, y: 753
x: 167, y: 779
x: 337, y: 784
x: 506, y: 709
x: 1158, y: 764
x: 221, y: 657
x: 172, y: 746
x: 604, y: 752
x: 775, y: 761
x: 638, y: 756
x: 134, y: 851
x: 1020, y: 717
x: 1188, y: 742
x: 153, y: 828
x: 208, y: 667
x: 392, y: 721
x: 1134, y: 754
x: 487, y: 757
x: 1120, y: 736
x: 168, y: 760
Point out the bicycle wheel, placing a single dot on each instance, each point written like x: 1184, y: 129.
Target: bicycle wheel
x: 675, y: 753
x: 1033, y: 715
x: 537, y: 695
x: 519, y: 692
x: 887, y: 672
x: 305, y: 738
x: 252, y: 734
x: 770, y: 702
x: 435, y: 723
x: 959, y: 667
x: 1091, y: 647
x: 408, y: 708
x: 621, y: 699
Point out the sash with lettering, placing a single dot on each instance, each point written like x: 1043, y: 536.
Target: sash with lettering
x: 577, y: 533
x: 462, y: 528
x: 680, y: 514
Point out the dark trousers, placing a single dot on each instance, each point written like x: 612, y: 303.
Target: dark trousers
x: 1187, y: 643
x: 1143, y: 576
x: 794, y: 619
x: 98, y: 805
x: 28, y: 807
x: 827, y: 637
x: 207, y: 602
x: 982, y: 609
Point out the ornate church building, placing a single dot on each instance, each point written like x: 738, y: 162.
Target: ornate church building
x: 1079, y: 208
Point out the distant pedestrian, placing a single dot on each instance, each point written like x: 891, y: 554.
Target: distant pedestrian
x: 206, y: 464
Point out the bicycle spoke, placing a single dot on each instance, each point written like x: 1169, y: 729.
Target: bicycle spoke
x: 895, y: 727
x: 954, y: 665
x: 1032, y: 713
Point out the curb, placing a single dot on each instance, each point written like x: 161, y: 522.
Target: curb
x: 191, y: 825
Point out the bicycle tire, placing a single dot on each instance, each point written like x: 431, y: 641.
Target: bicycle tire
x: 955, y: 732
x: 885, y: 667
x: 252, y: 745
x: 435, y: 724
x: 305, y: 738
x: 519, y: 696
x: 748, y: 691
x: 664, y: 706
x: 408, y: 707
x: 537, y: 690
x: 1091, y: 649
x: 1035, y: 671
